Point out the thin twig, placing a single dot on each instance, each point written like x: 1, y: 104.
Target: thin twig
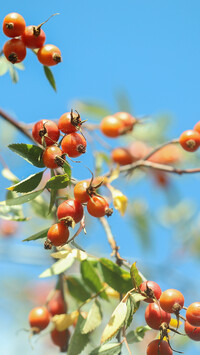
x: 16, y: 124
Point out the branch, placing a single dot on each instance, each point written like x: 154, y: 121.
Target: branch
x: 111, y: 241
x: 16, y: 124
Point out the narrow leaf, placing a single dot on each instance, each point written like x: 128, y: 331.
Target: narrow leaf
x: 58, y: 182
x: 108, y: 349
x: 23, y: 198
x: 59, y: 266
x: 52, y: 199
x: 135, y: 277
x: 39, y: 235
x: 50, y: 77
x: 78, y: 340
x: 13, y: 73
x: 28, y: 184
x: 77, y: 289
x: 115, y: 323
x: 91, y: 278
x: 31, y: 153
x: 93, y: 319
x: 64, y: 321
x: 67, y: 169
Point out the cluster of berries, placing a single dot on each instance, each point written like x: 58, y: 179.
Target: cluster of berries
x: 190, y: 139
x: 158, y: 316
x: 39, y: 319
x: 23, y: 37
x: 73, y: 144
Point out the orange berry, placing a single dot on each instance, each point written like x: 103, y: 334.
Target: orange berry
x: 190, y: 140
x: 13, y: 25
x: 14, y: 50
x: 121, y: 156
x: 49, y: 55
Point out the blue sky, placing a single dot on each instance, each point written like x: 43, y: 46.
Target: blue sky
x: 148, y: 49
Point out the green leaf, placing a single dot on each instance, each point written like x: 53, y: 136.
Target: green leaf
x: 135, y: 277
x: 58, y: 182
x: 50, y: 77
x: 93, y: 319
x: 67, y: 169
x: 9, y: 175
x: 23, y: 198
x: 91, y: 278
x: 108, y: 349
x: 115, y: 323
x: 4, y: 65
x: 77, y: 289
x: 115, y: 276
x: 135, y: 336
x: 133, y: 304
x: 59, y: 266
x: 39, y: 235
x: 31, y: 153
x: 52, y: 200
x: 78, y: 341
x: 28, y: 184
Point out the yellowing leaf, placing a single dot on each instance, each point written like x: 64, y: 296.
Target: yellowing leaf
x: 60, y: 254
x: 120, y: 201
x: 115, y: 323
x: 64, y: 321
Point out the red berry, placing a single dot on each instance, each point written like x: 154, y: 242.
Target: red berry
x: 97, y: 206
x: 112, y: 126
x: 192, y: 332
x: 33, y: 37
x: 80, y: 191
x: 61, y: 339
x: 52, y: 157
x: 159, y: 347
x: 74, y: 144
x: 121, y: 156
x: 155, y: 316
x: 171, y: 301
x: 70, y: 208
x: 39, y: 318
x: 47, y: 129
x: 13, y: 25
x: 151, y: 289
x: 49, y: 55
x: 128, y: 120
x: 14, y: 50
x: 58, y: 234
x: 69, y: 122
x: 57, y: 304
x: 193, y: 314
x: 190, y: 140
